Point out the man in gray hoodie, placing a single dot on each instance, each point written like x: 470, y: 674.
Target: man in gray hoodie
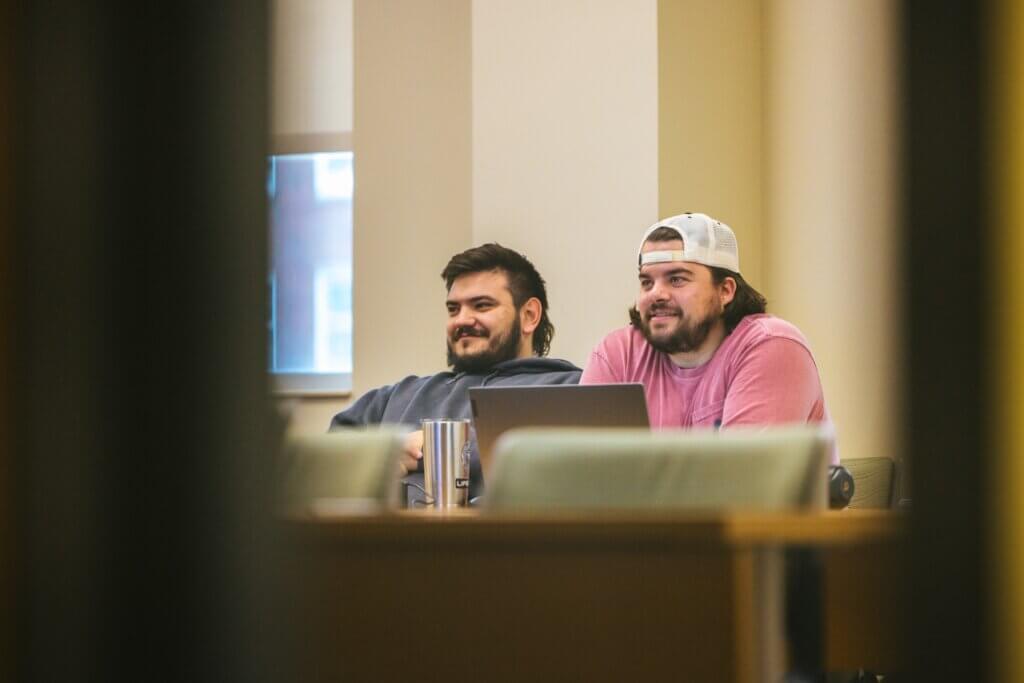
x: 498, y: 332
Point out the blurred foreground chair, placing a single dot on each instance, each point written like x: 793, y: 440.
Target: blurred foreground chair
x: 777, y: 468
x: 873, y: 481
x: 765, y: 469
x: 344, y: 470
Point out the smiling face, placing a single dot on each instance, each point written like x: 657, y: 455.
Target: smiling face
x: 484, y: 328
x: 680, y: 306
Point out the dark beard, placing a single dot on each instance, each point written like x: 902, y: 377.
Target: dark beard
x: 685, y: 339
x: 507, y: 349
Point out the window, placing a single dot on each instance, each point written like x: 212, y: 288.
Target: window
x: 310, y: 279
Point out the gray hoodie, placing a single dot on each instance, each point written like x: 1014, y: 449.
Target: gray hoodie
x: 446, y: 395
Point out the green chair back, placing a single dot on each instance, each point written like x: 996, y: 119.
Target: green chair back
x: 766, y: 469
x: 346, y: 468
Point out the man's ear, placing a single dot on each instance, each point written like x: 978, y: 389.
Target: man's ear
x: 529, y: 315
x: 727, y: 291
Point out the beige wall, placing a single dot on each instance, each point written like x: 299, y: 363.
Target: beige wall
x: 565, y: 134
x: 833, y: 188
x: 311, y: 66
x: 779, y: 117
x: 413, y: 207
x: 711, y: 146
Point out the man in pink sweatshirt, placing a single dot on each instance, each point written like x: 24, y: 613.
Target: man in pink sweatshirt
x: 700, y: 342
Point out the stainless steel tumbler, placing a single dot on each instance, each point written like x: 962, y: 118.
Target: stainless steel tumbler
x: 446, y: 449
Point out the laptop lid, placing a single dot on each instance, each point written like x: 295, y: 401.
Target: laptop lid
x: 498, y: 409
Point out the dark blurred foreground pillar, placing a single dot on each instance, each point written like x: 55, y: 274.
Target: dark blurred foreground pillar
x: 949, y: 241
x: 137, y: 246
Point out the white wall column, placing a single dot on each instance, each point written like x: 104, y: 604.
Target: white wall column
x: 565, y: 149
x: 413, y: 165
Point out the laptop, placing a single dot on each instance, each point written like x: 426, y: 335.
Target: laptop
x: 498, y: 409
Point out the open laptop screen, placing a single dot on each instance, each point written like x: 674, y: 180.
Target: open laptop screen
x: 498, y: 409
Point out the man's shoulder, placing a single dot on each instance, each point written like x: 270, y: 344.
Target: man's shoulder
x: 627, y: 345
x: 412, y: 385
x: 536, y: 370
x: 405, y: 402
x: 755, y: 329
x: 416, y: 381
x: 624, y: 355
x: 622, y: 338
x: 533, y: 369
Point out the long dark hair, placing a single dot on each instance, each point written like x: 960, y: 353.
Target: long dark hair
x: 524, y: 282
x: 746, y: 301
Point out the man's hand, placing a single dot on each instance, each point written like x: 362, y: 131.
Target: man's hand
x: 412, y: 451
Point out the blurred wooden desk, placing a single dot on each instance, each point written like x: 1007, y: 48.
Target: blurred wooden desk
x: 696, y: 597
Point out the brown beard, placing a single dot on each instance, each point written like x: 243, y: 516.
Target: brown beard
x: 687, y: 337
x: 507, y: 349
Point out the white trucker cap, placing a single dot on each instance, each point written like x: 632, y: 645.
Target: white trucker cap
x: 705, y: 241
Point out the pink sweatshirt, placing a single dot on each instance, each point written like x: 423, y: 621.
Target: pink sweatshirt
x: 763, y: 373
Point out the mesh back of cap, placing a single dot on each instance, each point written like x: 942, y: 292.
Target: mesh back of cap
x: 725, y: 241
x: 705, y: 240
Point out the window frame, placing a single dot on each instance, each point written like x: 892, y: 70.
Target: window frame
x: 309, y: 384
